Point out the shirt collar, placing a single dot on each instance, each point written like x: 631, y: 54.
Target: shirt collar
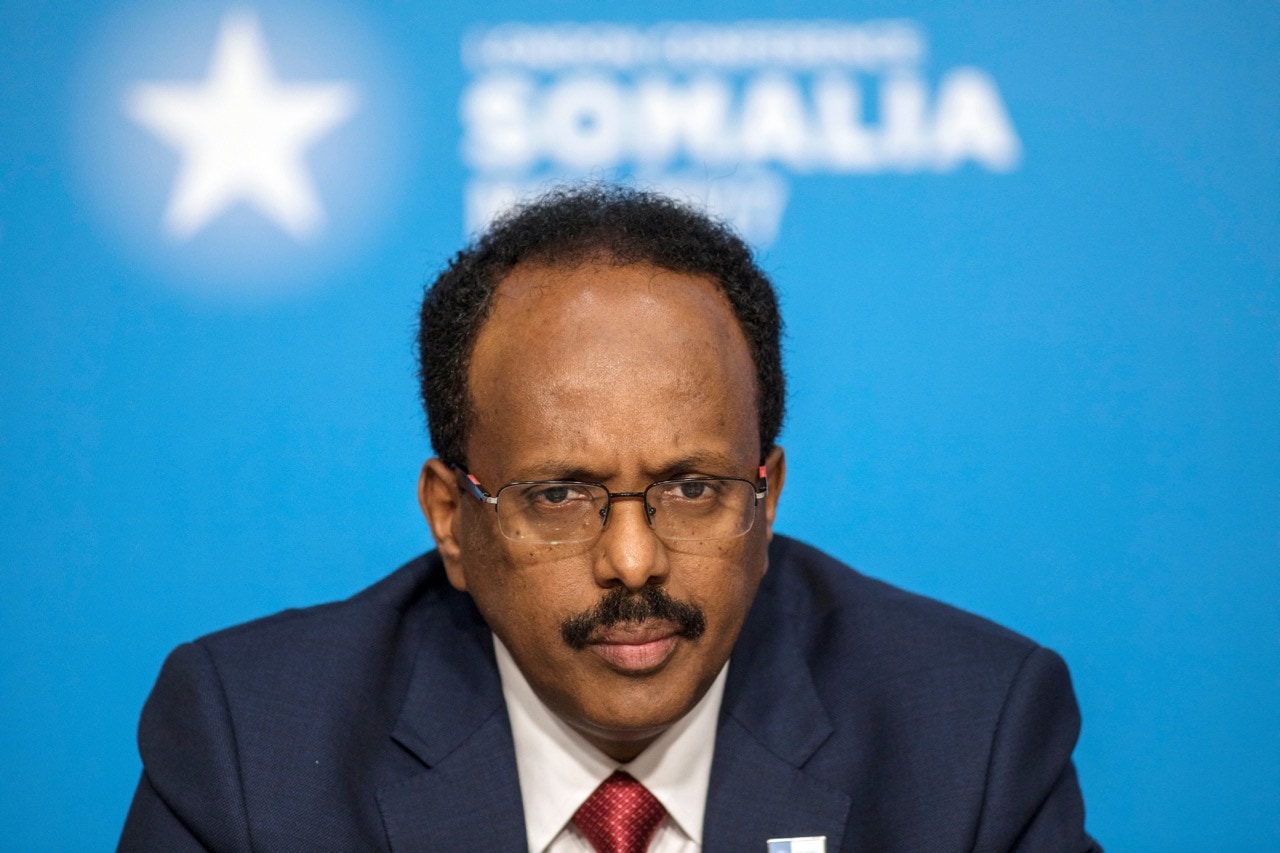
x: 558, y: 769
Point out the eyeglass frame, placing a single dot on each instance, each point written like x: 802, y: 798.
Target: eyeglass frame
x: 473, y: 488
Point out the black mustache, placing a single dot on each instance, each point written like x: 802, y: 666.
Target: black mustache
x: 619, y: 605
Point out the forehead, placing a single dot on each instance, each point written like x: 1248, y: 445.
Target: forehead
x: 570, y: 296
x: 595, y: 358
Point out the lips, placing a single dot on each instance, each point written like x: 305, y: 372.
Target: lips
x: 635, y: 648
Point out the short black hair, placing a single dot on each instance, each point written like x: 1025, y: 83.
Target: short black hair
x: 569, y: 226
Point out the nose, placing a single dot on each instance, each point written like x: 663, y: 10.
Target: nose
x: 629, y: 553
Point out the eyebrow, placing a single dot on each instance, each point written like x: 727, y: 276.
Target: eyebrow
x: 711, y: 463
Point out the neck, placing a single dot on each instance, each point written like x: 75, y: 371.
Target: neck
x: 620, y: 751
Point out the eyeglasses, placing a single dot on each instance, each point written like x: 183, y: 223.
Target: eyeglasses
x: 560, y: 512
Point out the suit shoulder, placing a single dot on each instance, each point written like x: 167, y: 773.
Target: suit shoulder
x: 302, y: 654
x: 413, y: 583
x: 284, y: 723
x: 328, y: 663
x: 946, y: 730
x: 830, y: 602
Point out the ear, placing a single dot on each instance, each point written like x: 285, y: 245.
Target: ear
x: 776, y: 468
x: 441, y: 502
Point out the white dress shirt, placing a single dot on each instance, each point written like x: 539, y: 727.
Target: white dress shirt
x: 559, y: 769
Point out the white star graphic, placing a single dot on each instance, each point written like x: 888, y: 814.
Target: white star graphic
x: 242, y: 135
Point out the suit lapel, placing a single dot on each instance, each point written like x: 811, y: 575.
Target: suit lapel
x: 464, y: 795
x: 755, y: 796
x: 771, y: 724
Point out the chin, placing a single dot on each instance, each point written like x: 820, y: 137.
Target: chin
x: 641, y: 710
x: 638, y: 729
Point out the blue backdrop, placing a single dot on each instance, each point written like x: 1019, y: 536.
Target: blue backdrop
x: 1028, y: 256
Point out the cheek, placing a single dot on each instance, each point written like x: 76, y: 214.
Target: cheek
x: 524, y: 594
x: 722, y: 578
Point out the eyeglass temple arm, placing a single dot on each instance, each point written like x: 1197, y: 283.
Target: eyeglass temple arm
x: 764, y: 483
x: 472, y: 485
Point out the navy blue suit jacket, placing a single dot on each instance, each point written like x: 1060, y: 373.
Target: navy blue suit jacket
x: 880, y: 719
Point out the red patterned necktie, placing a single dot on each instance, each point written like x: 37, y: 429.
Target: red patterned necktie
x: 620, y: 816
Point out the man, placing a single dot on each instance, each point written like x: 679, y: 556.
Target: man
x: 609, y: 648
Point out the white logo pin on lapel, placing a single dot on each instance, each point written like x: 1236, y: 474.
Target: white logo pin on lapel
x: 805, y: 844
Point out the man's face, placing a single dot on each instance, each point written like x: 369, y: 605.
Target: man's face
x: 619, y: 375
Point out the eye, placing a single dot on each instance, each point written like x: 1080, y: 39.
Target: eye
x: 548, y: 496
x: 552, y: 494
x: 695, y: 492
x: 694, y: 489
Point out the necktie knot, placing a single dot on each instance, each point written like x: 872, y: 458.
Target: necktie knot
x: 620, y: 816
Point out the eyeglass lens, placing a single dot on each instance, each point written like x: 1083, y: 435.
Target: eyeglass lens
x: 561, y: 512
